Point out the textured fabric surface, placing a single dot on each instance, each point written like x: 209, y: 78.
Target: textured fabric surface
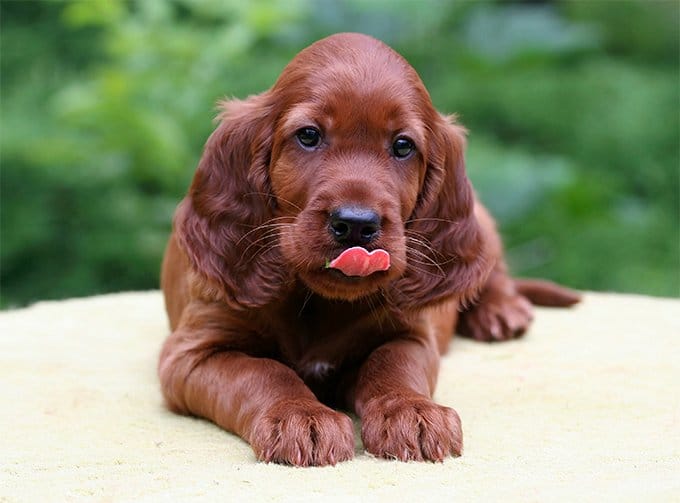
x: 585, y: 408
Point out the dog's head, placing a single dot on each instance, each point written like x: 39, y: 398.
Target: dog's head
x: 345, y: 151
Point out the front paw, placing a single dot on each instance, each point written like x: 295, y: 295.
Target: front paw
x: 410, y: 428
x: 303, y: 433
x: 497, y: 318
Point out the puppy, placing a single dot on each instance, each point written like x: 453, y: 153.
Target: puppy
x: 328, y: 247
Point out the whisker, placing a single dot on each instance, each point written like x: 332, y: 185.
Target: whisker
x: 421, y: 270
x: 273, y: 219
x: 431, y: 219
x: 384, y: 304
x: 262, y: 240
x: 261, y: 227
x: 376, y: 310
x: 308, y: 296
x: 428, y: 259
x: 266, y: 237
x: 432, y: 249
x: 424, y: 242
x: 417, y: 235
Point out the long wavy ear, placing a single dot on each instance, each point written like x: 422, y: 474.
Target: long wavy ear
x: 446, y: 251
x: 218, y: 224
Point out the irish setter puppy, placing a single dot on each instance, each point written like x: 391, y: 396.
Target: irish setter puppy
x: 320, y: 259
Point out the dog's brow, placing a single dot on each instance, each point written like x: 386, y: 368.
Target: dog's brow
x: 299, y: 116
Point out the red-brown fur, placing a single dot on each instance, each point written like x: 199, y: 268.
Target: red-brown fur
x: 265, y: 339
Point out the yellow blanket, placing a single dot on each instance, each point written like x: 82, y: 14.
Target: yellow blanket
x: 585, y: 408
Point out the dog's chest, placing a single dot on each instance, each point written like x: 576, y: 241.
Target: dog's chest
x: 319, y: 338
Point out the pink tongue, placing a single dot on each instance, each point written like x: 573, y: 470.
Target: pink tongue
x: 357, y: 261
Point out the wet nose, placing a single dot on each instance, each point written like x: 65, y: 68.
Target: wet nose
x: 353, y: 225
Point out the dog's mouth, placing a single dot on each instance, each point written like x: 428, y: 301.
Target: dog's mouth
x: 359, y: 262
x: 350, y: 274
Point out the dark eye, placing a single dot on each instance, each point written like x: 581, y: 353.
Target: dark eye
x: 402, y: 147
x: 308, y: 137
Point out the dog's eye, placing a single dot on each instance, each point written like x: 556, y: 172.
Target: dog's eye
x: 402, y: 147
x: 308, y: 137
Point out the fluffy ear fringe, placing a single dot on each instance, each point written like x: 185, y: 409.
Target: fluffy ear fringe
x: 218, y: 224
x: 446, y: 249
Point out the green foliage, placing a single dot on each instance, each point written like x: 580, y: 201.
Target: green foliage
x: 572, y: 109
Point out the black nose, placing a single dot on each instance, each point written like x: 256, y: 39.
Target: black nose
x: 353, y: 225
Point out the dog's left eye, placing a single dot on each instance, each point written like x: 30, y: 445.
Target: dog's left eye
x: 402, y: 147
x: 308, y: 137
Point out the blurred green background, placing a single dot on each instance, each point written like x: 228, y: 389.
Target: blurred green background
x: 573, y: 110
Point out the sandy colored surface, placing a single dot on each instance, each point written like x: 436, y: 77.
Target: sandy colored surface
x: 585, y: 408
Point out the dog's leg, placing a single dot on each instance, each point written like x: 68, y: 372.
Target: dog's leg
x: 500, y: 313
x: 392, y: 395
x: 260, y: 399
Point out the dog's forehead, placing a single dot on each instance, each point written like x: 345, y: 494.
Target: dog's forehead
x: 350, y: 113
x: 352, y: 80
x: 351, y: 64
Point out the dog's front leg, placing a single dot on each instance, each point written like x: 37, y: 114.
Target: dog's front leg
x: 260, y: 399
x: 392, y: 395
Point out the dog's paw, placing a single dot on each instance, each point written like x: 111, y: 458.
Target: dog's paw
x: 303, y: 433
x: 410, y: 428
x: 499, y: 318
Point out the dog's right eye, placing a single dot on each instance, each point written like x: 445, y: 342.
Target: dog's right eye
x: 308, y: 137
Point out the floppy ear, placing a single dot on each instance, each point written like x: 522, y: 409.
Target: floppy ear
x: 218, y: 222
x: 446, y: 252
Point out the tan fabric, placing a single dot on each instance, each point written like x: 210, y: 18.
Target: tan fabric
x: 585, y: 408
